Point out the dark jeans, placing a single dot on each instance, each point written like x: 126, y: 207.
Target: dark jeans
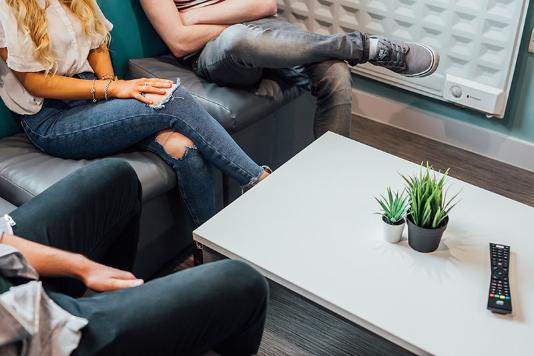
x: 82, y: 129
x: 95, y: 212
x: 239, y: 55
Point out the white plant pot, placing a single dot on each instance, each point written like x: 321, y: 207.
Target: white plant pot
x: 392, y: 233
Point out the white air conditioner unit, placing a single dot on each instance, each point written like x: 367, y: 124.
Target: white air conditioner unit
x: 478, y: 41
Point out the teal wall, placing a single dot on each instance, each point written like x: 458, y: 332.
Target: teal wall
x: 519, y: 118
x: 8, y: 124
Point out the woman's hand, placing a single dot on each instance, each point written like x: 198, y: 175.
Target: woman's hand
x: 133, y: 89
x: 102, y: 278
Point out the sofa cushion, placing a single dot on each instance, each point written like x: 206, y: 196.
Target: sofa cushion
x: 6, y: 207
x: 234, y: 108
x: 26, y: 171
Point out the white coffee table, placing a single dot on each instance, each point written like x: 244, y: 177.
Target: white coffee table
x: 310, y: 227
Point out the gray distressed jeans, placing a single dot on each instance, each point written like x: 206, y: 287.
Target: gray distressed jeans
x: 241, y: 53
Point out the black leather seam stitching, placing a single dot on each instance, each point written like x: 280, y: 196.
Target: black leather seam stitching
x: 9, y: 181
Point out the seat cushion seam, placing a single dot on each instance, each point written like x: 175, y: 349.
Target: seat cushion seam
x: 9, y: 181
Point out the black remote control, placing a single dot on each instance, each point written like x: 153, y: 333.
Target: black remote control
x: 499, y: 300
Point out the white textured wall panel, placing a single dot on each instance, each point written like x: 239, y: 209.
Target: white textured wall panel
x: 478, y: 40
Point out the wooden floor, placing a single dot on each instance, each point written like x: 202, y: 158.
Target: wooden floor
x: 296, y: 326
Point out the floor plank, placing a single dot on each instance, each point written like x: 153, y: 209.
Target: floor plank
x: 296, y: 326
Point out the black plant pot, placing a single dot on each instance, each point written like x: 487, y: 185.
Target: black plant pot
x: 425, y: 240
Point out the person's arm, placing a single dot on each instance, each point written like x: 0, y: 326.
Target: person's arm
x: 60, y: 87
x: 180, y: 39
x: 230, y: 12
x: 100, y: 60
x: 52, y: 262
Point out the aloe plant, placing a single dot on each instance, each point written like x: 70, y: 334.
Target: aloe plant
x: 429, y: 205
x: 394, y: 206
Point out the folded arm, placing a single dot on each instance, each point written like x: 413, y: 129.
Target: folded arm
x: 52, y: 262
x: 180, y: 38
x: 230, y: 12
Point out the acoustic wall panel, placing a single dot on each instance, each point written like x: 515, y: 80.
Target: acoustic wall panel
x: 478, y: 41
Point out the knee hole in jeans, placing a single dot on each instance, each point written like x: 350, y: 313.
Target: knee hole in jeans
x: 174, y: 143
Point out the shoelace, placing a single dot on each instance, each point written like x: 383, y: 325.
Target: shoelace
x: 393, y: 55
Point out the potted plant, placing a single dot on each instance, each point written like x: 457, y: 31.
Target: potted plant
x: 394, y: 207
x: 428, y: 214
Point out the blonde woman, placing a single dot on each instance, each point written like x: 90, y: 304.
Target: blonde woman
x: 56, y: 74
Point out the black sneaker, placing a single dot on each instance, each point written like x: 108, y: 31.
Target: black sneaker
x: 407, y: 58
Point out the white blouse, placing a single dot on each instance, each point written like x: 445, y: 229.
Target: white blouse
x: 70, y: 47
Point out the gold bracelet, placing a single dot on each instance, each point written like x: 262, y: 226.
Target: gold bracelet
x: 107, y: 88
x: 109, y: 77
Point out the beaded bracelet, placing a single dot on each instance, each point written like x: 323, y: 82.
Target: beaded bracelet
x: 93, y: 91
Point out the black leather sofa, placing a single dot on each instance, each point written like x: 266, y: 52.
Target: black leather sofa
x: 271, y: 130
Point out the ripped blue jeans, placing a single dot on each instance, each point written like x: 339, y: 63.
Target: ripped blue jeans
x: 81, y: 129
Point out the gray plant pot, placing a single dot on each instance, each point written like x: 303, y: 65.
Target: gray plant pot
x: 425, y: 240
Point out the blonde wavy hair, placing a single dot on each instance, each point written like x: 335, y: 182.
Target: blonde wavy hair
x: 31, y: 19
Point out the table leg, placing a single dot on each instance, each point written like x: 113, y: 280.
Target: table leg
x: 198, y: 254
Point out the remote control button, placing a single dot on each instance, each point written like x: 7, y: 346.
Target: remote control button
x: 492, y: 295
x: 502, y: 297
x: 499, y: 302
x: 499, y: 272
x: 507, y: 297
